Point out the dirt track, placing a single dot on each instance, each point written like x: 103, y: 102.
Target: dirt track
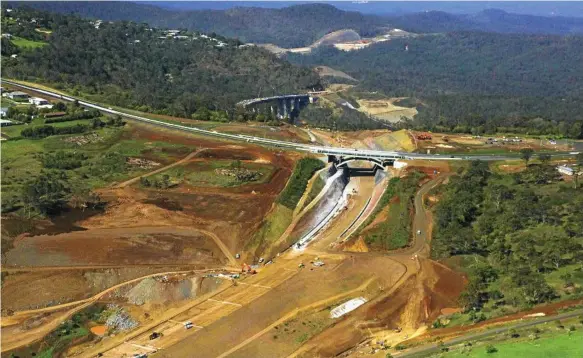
x: 180, y: 162
x: 30, y: 336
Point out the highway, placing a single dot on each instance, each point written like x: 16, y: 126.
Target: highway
x: 335, y: 151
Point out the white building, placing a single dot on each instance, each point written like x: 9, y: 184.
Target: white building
x: 37, y: 101
x: 17, y: 95
x: 563, y: 169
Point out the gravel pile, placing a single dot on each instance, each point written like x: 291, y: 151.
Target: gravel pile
x: 119, y: 320
x: 147, y: 290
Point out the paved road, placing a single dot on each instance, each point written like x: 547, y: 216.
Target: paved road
x: 346, y: 152
x: 427, y: 349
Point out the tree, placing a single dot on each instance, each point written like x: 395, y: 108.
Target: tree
x: 578, y: 168
x: 526, y: 154
x: 491, y: 349
x: 60, y: 106
x: 544, y: 158
x: 48, y: 193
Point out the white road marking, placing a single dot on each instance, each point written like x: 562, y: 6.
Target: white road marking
x: 254, y: 285
x: 150, y: 348
x: 225, y: 302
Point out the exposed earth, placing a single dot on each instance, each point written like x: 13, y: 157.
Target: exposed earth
x: 162, y: 257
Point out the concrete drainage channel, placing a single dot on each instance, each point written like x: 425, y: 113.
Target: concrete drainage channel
x: 336, y: 191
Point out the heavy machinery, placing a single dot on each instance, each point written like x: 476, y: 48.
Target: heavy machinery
x: 247, y: 269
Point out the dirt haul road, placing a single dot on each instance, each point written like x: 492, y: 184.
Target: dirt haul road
x: 160, y: 170
x: 14, y: 341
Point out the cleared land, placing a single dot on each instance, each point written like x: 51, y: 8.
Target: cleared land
x: 24, y: 43
x: 386, y: 109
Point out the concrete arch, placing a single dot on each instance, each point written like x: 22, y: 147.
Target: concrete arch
x: 375, y: 161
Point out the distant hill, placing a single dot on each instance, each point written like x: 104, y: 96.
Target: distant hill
x: 294, y: 26
x: 492, y: 20
x: 302, y: 25
x: 474, y: 80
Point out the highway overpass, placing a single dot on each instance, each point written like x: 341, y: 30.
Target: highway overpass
x: 335, y: 154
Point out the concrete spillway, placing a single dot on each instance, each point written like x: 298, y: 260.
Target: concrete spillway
x: 334, y: 198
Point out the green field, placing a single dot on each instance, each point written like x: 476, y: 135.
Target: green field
x: 24, y: 43
x: 562, y: 345
x: 203, y: 174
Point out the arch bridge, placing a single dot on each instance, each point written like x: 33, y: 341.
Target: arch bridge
x: 281, y: 106
x: 342, y: 161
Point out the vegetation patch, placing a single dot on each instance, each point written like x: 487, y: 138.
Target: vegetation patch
x: 70, y: 332
x: 316, y: 188
x: 217, y: 173
x: 27, y: 44
x: 394, y: 232
x: 303, y: 171
x: 523, y: 232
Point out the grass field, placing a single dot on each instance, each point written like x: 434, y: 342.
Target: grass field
x: 24, y: 43
x: 561, y: 345
x: 203, y: 174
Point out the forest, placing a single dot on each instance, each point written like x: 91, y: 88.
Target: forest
x: 134, y: 66
x: 295, y: 26
x: 477, y: 81
x: 520, y: 235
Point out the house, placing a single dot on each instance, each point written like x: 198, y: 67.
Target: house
x: 563, y: 169
x: 17, y: 95
x: 37, y: 101
x: 5, y: 123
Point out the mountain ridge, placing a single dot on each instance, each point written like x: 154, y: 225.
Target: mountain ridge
x: 303, y: 24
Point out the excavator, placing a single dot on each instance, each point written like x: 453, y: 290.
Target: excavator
x: 247, y: 269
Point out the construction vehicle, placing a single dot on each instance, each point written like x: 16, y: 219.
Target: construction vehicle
x: 155, y: 335
x: 247, y: 269
x: 424, y: 136
x: 188, y: 325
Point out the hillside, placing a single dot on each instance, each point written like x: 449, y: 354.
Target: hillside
x: 473, y: 78
x: 131, y: 65
x: 294, y: 26
x: 492, y: 20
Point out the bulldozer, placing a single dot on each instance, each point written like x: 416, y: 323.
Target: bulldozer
x: 247, y: 269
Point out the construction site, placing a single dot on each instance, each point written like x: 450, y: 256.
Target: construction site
x: 157, y: 272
